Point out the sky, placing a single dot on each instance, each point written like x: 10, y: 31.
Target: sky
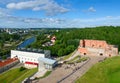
x: 59, y: 13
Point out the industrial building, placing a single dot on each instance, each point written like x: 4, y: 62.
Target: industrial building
x: 34, y: 58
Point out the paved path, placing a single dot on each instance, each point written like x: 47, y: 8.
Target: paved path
x: 74, y: 71
x: 83, y: 69
x: 63, y: 75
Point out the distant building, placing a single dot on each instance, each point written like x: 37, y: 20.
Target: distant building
x: 48, y: 36
x: 34, y: 58
x: 7, y: 64
x: 53, y: 39
x: 97, y: 48
x: 47, y: 44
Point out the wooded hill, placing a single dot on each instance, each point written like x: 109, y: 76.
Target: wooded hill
x: 68, y: 39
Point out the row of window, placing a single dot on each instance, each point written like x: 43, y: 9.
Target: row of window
x: 27, y: 59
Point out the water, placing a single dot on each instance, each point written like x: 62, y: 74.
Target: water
x: 27, y: 42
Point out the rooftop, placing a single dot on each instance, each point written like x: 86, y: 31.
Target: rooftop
x: 33, y: 50
x: 46, y: 60
x: 8, y: 61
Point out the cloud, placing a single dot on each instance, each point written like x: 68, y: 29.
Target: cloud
x: 91, y: 9
x: 4, y: 12
x: 49, y: 6
x: 9, y: 21
x: 9, y: 1
x: 18, y: 22
x: 26, y: 4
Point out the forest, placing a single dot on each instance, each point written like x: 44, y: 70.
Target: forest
x: 6, y: 38
x: 68, y: 39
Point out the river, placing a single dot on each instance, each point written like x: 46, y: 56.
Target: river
x: 26, y: 42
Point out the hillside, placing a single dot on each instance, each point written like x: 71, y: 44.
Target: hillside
x: 68, y: 39
x: 107, y: 71
x: 16, y: 75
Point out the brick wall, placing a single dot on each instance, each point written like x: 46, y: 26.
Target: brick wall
x: 97, y: 47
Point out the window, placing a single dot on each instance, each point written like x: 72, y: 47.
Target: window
x: 84, y: 53
x: 101, y: 54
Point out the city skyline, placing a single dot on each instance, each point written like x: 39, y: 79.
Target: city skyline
x: 59, y: 13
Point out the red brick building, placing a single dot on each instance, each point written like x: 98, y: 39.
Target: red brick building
x: 97, y: 47
x: 8, y: 63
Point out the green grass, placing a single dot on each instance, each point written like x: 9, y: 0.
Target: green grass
x: 82, y: 59
x: 15, y: 75
x: 46, y: 74
x: 77, y: 59
x: 74, y: 59
x: 67, y: 56
x: 107, y: 71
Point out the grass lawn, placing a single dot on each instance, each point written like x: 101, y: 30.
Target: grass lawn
x: 46, y: 74
x: 15, y: 75
x: 77, y: 59
x: 67, y: 56
x: 103, y: 72
x: 74, y: 59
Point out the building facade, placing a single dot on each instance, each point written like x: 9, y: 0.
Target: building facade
x: 46, y: 63
x: 30, y: 57
x: 97, y: 48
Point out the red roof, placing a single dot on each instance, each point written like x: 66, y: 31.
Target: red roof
x: 53, y: 38
x: 8, y: 61
x: 31, y: 63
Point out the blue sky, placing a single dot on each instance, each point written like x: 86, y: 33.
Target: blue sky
x: 59, y: 13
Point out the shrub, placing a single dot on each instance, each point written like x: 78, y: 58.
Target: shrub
x: 22, y: 68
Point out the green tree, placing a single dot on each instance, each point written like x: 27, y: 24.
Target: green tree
x: 70, y: 49
x: 4, y: 57
x: 61, y: 52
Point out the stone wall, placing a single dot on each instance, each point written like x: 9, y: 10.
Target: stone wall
x: 93, y: 43
x: 97, y: 48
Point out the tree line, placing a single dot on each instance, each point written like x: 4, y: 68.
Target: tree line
x: 68, y: 39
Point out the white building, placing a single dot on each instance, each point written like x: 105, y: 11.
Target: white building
x: 32, y: 57
x: 46, y: 63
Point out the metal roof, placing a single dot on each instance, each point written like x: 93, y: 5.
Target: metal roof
x: 47, y: 60
x: 33, y: 50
